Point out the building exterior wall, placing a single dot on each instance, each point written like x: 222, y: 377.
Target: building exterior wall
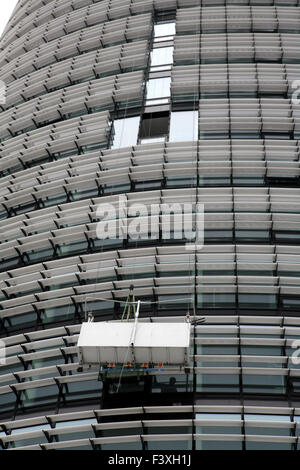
x: 157, y: 102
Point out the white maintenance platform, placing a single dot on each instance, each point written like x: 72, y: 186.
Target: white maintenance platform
x: 117, y: 343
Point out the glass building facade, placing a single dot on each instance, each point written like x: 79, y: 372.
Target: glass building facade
x: 160, y: 102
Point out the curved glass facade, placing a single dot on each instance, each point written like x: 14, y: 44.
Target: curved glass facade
x: 160, y: 102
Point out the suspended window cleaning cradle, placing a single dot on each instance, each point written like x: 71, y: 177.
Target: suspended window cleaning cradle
x: 133, y: 345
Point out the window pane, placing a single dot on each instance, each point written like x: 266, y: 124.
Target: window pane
x: 64, y: 424
x: 184, y: 126
x: 217, y: 383
x: 152, y: 140
x: 126, y: 132
x: 122, y: 446
x: 218, y: 349
x: 158, y: 88
x: 268, y: 445
x: 162, y: 56
x: 154, y: 126
x: 170, y: 445
x: 167, y: 29
x: 221, y: 416
x: 218, y: 445
x: 257, y: 417
x: 30, y: 429
x: 259, y: 384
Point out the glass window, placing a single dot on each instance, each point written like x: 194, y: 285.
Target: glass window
x: 126, y: 132
x: 253, y: 362
x: 258, y: 384
x: 267, y: 445
x: 166, y: 302
x: 212, y: 428
x: 159, y: 88
x: 252, y: 429
x: 119, y: 446
x: 10, y: 369
x: 257, y: 417
x: 28, y: 441
x: 114, y: 432
x: 220, y: 416
x: 218, y: 445
x: 152, y: 140
x: 162, y: 56
x: 83, y: 390
x: 184, y: 126
x: 174, y: 383
x: 217, y: 383
x: 261, y: 350
x: 259, y: 300
x: 9, y: 263
x: 216, y: 349
x: 73, y: 248
x: 39, y: 396
x: 165, y: 29
x: 204, y: 362
x: 225, y: 333
x: 39, y: 427
x: 20, y: 321
x: 63, y: 313
x: 170, y: 445
x: 178, y: 429
x: 154, y: 127
x: 46, y: 362
x: 75, y: 434
x: 38, y: 439
x: 87, y: 447
x: 7, y: 402
x: 218, y: 300
x: 79, y: 422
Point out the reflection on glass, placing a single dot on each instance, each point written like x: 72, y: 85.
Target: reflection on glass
x: 268, y: 445
x: 162, y: 56
x: 261, y: 350
x: 79, y: 422
x: 216, y: 416
x: 173, y: 383
x: 119, y: 446
x: 158, y: 88
x: 31, y: 428
x: 126, y: 132
x: 165, y: 29
x: 258, y: 384
x: 264, y: 300
x: 152, y: 140
x: 184, y: 126
x: 218, y: 445
x: 170, y: 445
x: 217, y: 383
x: 258, y: 417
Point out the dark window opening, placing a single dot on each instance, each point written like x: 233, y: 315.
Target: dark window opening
x: 154, y: 127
